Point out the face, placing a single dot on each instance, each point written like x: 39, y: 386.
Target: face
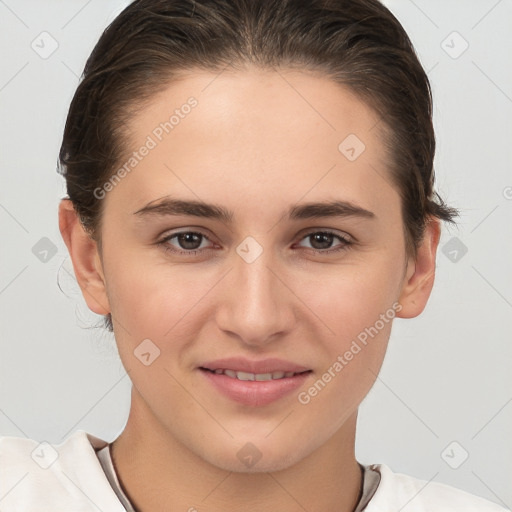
x: 293, y: 265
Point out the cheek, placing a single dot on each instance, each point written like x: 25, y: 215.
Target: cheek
x: 359, y: 311
x: 336, y: 392
x: 351, y: 299
x: 361, y: 321
x: 160, y: 304
x: 154, y: 299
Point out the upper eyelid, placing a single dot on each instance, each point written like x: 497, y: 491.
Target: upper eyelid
x: 345, y: 237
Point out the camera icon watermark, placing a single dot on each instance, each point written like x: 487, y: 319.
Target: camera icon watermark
x: 454, y: 249
x: 455, y: 455
x: 44, y: 250
x: 351, y: 147
x: 249, y: 250
x: 454, y: 45
x: 44, y: 45
x: 146, y: 352
x: 249, y: 455
x: 44, y: 455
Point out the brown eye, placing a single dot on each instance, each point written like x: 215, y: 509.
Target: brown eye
x: 321, y: 241
x: 189, y: 240
x: 186, y: 242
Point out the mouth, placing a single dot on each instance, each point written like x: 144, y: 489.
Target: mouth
x: 254, y: 383
x: 248, y: 376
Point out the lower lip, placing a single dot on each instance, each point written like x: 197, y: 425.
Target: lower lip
x: 253, y: 392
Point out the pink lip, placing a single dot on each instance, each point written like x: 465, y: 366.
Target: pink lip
x: 246, y: 365
x: 254, y: 393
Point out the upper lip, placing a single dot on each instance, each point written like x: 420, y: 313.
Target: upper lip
x: 247, y: 365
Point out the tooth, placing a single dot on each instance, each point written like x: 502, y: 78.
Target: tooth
x: 245, y: 376
x: 263, y: 376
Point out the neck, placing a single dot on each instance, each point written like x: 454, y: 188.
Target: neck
x: 158, y: 473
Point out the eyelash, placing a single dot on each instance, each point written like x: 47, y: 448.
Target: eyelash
x: 346, y: 243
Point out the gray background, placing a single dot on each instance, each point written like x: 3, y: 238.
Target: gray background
x: 446, y: 377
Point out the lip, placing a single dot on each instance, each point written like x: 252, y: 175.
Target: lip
x: 254, y: 393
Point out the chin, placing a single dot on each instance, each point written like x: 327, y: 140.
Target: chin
x: 253, y: 457
x: 264, y: 465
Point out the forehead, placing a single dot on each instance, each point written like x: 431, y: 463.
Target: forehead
x: 279, y: 134
x: 267, y: 99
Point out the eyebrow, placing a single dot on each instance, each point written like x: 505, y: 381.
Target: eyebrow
x: 168, y: 206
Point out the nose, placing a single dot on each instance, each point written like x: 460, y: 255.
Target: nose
x: 257, y: 305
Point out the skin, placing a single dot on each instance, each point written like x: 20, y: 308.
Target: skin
x: 257, y: 143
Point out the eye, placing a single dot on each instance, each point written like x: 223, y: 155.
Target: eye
x: 192, y: 242
x: 321, y: 241
x: 189, y: 241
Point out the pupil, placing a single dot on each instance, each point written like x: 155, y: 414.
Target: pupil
x: 326, y: 238
x: 187, y: 238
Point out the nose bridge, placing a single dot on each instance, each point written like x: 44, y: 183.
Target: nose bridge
x: 257, y: 304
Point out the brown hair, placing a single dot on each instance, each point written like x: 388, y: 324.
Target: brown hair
x: 357, y: 43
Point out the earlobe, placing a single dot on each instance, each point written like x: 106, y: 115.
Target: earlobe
x: 420, y: 273
x: 85, y: 257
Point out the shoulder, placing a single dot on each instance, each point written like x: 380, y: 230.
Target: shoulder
x: 397, y: 491
x: 59, y: 477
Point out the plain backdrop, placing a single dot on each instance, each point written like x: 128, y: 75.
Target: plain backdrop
x: 441, y: 408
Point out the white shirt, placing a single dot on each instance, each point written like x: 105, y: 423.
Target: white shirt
x: 78, y: 476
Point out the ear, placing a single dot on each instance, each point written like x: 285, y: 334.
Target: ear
x: 85, y: 257
x: 420, y: 273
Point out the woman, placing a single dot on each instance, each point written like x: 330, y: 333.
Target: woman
x: 251, y: 204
